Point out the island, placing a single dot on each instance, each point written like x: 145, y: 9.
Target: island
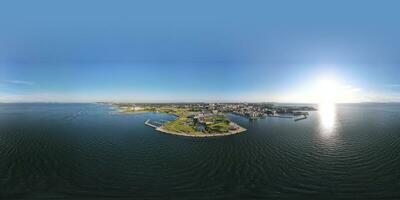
x: 209, y: 119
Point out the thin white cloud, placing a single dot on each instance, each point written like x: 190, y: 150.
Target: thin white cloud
x: 350, y: 88
x: 43, y: 97
x: 393, y: 85
x: 18, y: 82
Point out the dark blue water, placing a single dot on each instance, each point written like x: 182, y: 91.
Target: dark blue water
x: 84, y: 151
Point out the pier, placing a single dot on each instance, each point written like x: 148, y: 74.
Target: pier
x: 155, y: 124
x: 298, y: 119
x: 281, y: 116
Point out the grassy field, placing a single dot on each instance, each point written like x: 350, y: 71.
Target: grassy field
x: 219, y: 128
x: 179, y: 126
x: 218, y: 124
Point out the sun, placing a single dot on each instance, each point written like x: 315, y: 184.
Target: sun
x: 327, y: 91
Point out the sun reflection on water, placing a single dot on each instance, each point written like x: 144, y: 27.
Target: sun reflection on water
x: 327, y: 115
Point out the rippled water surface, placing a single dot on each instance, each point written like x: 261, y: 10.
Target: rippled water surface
x: 83, y: 151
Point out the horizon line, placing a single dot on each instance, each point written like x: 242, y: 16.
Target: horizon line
x: 185, y: 102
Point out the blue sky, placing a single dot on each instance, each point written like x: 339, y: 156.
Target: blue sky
x: 163, y: 51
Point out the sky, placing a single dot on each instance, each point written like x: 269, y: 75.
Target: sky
x: 190, y: 51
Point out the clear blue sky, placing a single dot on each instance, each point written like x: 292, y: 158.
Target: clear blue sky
x: 198, y: 50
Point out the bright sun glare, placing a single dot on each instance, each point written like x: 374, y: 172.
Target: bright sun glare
x: 330, y: 90
x: 327, y: 91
